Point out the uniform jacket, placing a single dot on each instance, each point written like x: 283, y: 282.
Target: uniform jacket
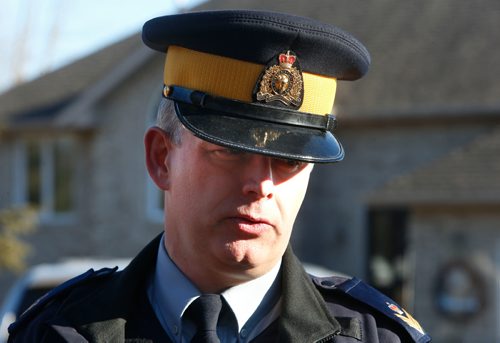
x: 111, y: 306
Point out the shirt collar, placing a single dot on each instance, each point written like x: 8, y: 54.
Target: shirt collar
x: 244, y: 299
x: 171, y: 302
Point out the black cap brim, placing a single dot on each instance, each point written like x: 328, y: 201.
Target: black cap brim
x: 277, y: 140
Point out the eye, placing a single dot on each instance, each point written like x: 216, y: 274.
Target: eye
x: 228, y: 153
x: 290, y: 166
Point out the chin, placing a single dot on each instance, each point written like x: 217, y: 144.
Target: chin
x: 239, y: 252
x: 247, y: 259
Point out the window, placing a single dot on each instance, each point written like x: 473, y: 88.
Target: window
x: 154, y: 203
x: 388, y: 262
x: 154, y: 196
x: 44, y: 176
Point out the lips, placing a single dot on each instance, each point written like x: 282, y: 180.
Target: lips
x: 255, y: 220
x: 251, y: 225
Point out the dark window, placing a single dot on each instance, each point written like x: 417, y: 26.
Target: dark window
x: 155, y: 201
x: 34, y: 173
x: 63, y: 176
x: 45, y: 176
x: 388, y: 263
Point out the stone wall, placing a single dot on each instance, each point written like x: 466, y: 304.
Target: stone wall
x: 448, y: 238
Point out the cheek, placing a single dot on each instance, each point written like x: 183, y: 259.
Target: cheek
x: 185, y: 195
x: 201, y: 191
x: 291, y: 195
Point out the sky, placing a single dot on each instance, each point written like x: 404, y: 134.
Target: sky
x: 38, y: 36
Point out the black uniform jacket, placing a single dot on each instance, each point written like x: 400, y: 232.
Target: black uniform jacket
x: 110, y: 306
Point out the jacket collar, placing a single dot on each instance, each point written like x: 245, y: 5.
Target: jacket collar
x: 304, y: 316
x: 103, y: 315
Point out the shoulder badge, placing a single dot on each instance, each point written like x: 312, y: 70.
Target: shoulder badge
x: 56, y: 292
x: 282, y: 81
x: 372, y: 297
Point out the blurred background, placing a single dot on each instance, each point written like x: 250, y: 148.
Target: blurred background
x: 414, y: 208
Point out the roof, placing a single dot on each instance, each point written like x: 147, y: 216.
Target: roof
x: 430, y: 59
x: 45, y: 99
x: 468, y: 175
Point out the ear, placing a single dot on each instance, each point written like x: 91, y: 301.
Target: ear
x: 157, y: 144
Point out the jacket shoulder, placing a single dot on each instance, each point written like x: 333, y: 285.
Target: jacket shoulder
x: 360, y: 291
x: 50, y: 301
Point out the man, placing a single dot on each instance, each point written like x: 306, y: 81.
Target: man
x: 245, y: 114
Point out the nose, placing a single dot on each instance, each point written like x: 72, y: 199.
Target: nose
x: 258, y: 177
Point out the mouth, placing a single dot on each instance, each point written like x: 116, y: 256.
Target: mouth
x: 251, y: 225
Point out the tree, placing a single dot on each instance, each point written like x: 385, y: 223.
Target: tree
x: 15, y: 222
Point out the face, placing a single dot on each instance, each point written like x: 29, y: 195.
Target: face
x: 229, y: 214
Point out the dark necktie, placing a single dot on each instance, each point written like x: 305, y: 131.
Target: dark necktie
x: 204, y: 313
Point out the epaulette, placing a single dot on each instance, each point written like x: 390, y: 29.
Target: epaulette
x: 368, y: 295
x: 58, y: 292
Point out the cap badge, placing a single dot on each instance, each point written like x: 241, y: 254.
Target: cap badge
x: 282, y: 82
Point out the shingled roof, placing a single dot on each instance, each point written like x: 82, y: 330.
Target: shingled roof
x: 45, y: 99
x: 430, y: 59
x: 467, y: 176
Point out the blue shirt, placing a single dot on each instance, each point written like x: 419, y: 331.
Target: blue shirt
x: 251, y: 306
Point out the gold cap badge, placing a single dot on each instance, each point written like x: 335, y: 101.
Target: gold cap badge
x: 282, y: 82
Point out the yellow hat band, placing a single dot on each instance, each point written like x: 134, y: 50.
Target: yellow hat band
x: 235, y: 79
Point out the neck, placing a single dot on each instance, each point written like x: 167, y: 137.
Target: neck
x: 215, y: 279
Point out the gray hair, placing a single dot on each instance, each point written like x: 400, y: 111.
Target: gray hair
x: 167, y: 120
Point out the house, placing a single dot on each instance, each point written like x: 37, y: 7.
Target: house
x: 71, y: 143
x: 414, y: 207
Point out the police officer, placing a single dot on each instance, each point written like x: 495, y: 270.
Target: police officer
x: 244, y: 116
